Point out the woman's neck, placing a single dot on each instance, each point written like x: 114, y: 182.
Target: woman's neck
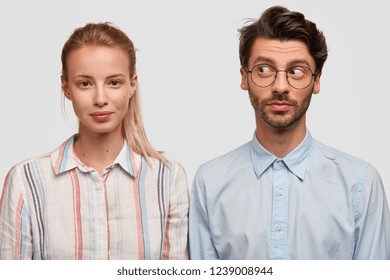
x: 98, y: 150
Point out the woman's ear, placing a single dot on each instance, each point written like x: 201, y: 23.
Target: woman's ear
x: 133, y: 84
x: 65, y: 87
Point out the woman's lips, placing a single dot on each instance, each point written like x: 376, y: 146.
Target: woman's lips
x: 101, y: 116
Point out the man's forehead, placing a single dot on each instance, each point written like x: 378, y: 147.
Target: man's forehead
x: 276, y: 51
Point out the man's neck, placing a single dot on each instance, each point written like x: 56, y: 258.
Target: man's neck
x: 280, y: 142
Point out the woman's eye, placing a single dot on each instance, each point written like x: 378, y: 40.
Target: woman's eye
x: 115, y: 83
x: 84, y: 83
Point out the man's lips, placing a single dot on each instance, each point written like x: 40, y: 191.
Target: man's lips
x: 279, y: 106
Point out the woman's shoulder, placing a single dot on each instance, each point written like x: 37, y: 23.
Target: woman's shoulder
x: 21, y: 170
x: 31, y: 161
x: 170, y: 166
x: 170, y: 163
x: 44, y: 161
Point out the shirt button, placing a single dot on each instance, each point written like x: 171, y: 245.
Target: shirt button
x: 280, y: 192
x: 279, y: 227
x: 280, y: 162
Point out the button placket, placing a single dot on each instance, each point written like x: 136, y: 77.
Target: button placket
x: 279, y: 210
x: 99, y: 210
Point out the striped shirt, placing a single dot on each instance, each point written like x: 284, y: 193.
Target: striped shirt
x: 54, y: 207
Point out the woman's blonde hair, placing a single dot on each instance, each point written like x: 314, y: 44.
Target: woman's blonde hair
x: 107, y: 35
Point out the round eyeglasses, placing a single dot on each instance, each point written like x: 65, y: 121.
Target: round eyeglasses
x: 298, y: 77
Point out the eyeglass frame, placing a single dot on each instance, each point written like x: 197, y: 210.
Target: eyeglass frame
x: 276, y: 74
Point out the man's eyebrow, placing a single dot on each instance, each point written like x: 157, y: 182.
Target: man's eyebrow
x: 290, y: 63
x: 298, y: 61
x: 263, y: 59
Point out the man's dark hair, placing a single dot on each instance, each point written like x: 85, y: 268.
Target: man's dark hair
x: 280, y: 23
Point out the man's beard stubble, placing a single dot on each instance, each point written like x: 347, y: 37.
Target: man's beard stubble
x: 281, y: 120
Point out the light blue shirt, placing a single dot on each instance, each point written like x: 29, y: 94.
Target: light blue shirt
x: 315, y: 203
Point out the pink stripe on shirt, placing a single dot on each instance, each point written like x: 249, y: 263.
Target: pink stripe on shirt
x: 18, y: 227
x: 77, y: 215
x: 167, y: 246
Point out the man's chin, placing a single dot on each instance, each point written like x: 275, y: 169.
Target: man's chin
x: 280, y: 121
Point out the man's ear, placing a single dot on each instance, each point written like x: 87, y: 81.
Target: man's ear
x: 316, y: 87
x: 65, y: 88
x: 244, y: 78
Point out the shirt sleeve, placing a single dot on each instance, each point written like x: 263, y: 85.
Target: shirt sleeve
x: 15, y: 226
x: 201, y: 245
x: 372, y: 219
x: 176, y: 234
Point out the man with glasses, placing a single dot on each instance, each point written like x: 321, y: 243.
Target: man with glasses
x: 284, y: 195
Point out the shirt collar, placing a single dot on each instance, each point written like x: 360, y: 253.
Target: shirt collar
x: 296, y: 161
x: 63, y: 158
x: 127, y: 159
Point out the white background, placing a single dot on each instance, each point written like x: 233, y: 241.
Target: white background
x: 188, y: 69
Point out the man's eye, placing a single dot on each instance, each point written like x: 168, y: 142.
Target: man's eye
x: 264, y: 70
x: 296, y: 72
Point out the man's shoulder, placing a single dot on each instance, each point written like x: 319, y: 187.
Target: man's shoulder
x: 337, y: 155
x: 228, y: 160
x: 345, y: 162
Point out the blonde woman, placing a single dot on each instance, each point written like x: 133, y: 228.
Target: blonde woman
x: 105, y: 193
